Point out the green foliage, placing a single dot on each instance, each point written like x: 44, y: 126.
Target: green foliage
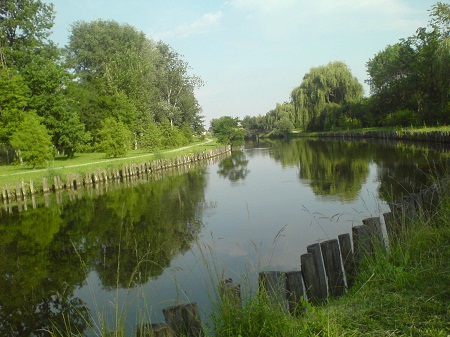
x: 227, y: 130
x: 401, y: 118
x: 151, y: 138
x: 283, y: 127
x: 323, y: 93
x: 14, y: 97
x: 177, y: 102
x: 33, y: 141
x: 24, y: 26
x: 115, y: 138
x: 125, y: 75
x: 413, y: 74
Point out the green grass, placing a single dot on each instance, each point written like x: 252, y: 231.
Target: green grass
x: 12, y: 174
x: 401, y: 292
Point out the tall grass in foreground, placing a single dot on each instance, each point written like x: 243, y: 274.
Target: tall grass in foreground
x: 404, y: 291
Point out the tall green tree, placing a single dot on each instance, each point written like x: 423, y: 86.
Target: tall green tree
x: 322, y: 92
x: 25, y: 26
x: 409, y: 81
x: 114, y: 64
x: 176, y: 89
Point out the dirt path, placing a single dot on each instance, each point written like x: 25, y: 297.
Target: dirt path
x: 106, y: 160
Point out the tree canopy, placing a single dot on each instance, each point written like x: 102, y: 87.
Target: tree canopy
x: 108, y: 71
x: 325, y: 93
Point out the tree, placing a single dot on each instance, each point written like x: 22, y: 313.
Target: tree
x: 410, y: 81
x: 283, y: 127
x: 115, y: 138
x: 321, y: 90
x: 33, y: 141
x: 227, y: 130
x: 176, y: 88
x: 115, y: 66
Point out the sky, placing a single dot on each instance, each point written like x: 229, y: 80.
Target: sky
x: 252, y: 53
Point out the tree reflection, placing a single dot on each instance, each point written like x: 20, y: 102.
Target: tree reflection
x: 335, y: 168
x: 234, y: 168
x: 340, y: 168
x: 127, y: 236
x: 330, y: 168
x: 36, y: 291
x: 407, y: 168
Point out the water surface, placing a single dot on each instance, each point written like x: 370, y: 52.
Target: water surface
x: 130, y: 252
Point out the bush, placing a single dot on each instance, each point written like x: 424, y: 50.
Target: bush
x: 33, y: 141
x: 403, y: 117
x: 115, y: 138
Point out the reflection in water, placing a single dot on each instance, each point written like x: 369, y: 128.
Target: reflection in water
x: 47, y: 252
x: 234, y: 168
x: 340, y: 168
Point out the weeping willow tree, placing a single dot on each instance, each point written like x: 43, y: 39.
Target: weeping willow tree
x: 324, y: 94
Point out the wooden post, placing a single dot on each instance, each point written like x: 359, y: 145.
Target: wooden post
x: 361, y: 242
x: 333, y: 267
x: 311, y: 278
x: 154, y: 330
x: 33, y: 201
x: 273, y: 283
x: 375, y: 231
x: 4, y: 194
x: 184, y: 320
x: 295, y: 292
x: 316, y: 252
x: 348, y: 258
x: 45, y: 188
x: 47, y: 199
x: 24, y: 189
x: 32, y: 187
x: 18, y: 192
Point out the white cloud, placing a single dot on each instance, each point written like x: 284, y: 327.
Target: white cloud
x: 202, y: 25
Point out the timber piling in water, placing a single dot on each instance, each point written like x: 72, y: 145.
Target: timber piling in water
x: 95, y: 179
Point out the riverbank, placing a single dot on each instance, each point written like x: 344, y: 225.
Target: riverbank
x: 62, y: 166
x: 436, y: 135
x: 402, y: 291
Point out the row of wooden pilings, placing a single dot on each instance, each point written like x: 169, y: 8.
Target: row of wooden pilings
x: 75, y: 181
x: 432, y: 136
x: 327, y: 269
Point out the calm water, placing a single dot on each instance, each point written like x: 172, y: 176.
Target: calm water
x: 137, y: 250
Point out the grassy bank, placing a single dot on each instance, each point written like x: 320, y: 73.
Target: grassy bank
x: 377, y: 129
x: 62, y: 166
x: 402, y: 292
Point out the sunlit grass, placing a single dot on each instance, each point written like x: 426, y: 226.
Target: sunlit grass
x: 12, y: 174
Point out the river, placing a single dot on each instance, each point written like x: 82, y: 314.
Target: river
x: 129, y: 252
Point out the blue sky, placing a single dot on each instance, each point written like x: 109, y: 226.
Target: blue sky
x: 252, y: 53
